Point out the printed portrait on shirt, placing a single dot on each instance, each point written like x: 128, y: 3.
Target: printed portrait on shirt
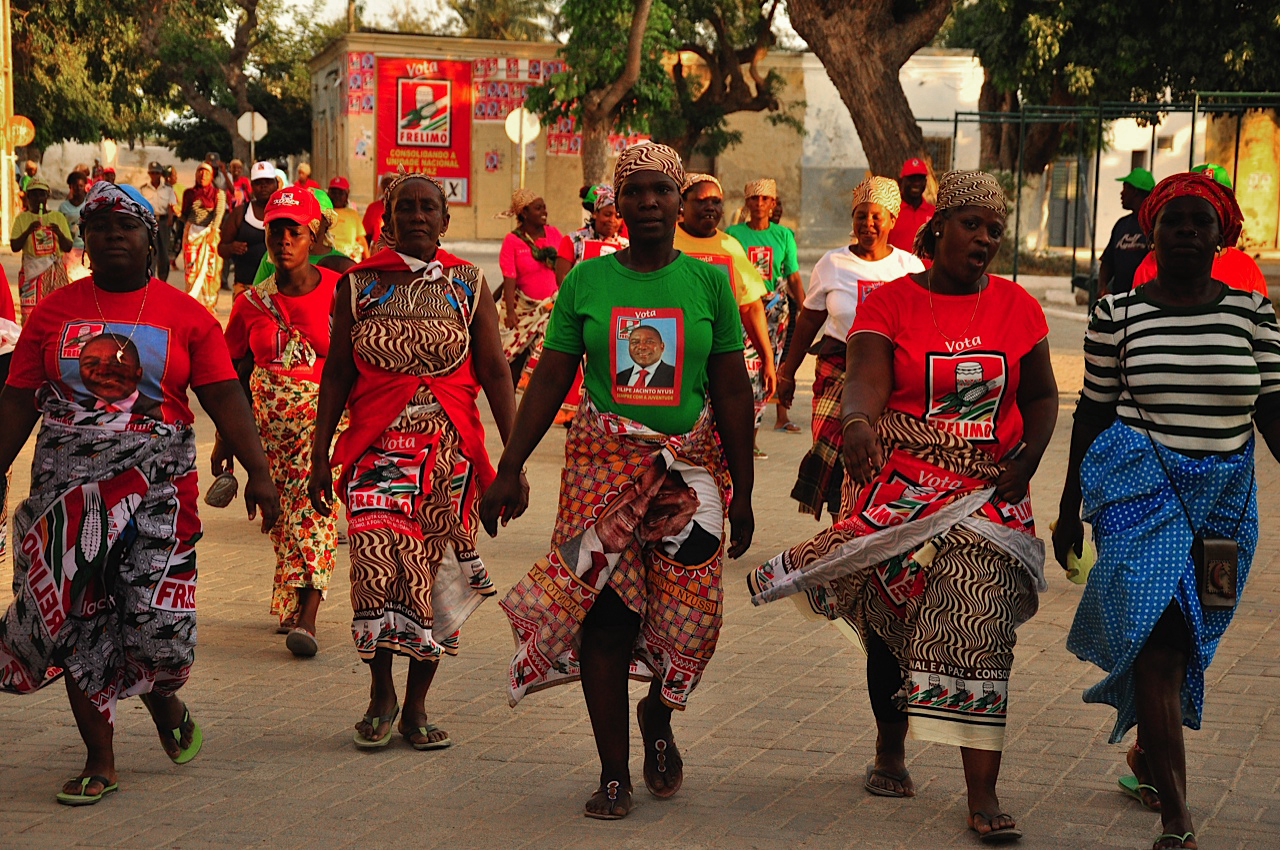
x: 964, y: 392
x: 761, y: 256
x: 647, y: 356
x: 114, y: 366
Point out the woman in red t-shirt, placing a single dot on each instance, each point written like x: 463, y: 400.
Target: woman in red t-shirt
x: 105, y: 575
x: 278, y: 336
x: 935, y: 561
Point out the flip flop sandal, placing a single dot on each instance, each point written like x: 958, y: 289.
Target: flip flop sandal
x: 83, y: 799
x: 1003, y: 835
x: 901, y: 779
x: 655, y: 760
x: 374, y: 722
x: 425, y: 731
x: 618, y: 799
x: 1170, y: 836
x: 197, y: 737
x: 788, y: 428
x: 1131, y: 786
x: 302, y: 643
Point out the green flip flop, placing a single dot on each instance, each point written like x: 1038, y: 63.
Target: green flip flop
x: 197, y: 739
x: 1132, y: 787
x: 1173, y: 836
x: 374, y: 722
x: 425, y: 731
x: 83, y: 799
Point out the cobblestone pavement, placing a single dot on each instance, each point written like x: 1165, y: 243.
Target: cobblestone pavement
x: 775, y: 740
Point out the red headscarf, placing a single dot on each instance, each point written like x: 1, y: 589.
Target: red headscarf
x: 1195, y: 185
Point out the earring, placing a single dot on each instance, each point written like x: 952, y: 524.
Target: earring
x: 937, y: 233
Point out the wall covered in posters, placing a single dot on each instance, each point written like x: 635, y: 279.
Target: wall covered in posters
x: 424, y: 121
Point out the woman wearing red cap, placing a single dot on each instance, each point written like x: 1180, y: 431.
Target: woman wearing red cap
x: 1178, y: 373
x: 347, y: 230
x: 278, y: 336
x: 415, y: 340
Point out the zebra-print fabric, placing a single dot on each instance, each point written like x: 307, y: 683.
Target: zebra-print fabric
x: 648, y: 156
x: 879, y: 190
x: 971, y: 188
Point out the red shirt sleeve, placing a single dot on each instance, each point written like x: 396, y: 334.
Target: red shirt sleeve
x: 210, y: 360
x: 507, y: 256
x: 565, y: 251
x: 6, y: 298
x: 879, y: 313
x: 237, y: 335
x: 27, y: 368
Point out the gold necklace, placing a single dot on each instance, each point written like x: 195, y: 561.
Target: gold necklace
x: 103, y: 316
x: 976, y: 304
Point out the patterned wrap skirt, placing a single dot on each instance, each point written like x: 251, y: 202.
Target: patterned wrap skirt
x: 642, y: 513
x: 1144, y: 558
x: 104, y: 572
x: 285, y: 409
x: 821, y: 469
x: 935, y: 565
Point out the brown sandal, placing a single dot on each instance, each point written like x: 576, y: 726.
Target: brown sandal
x: 617, y: 798
x: 658, y: 755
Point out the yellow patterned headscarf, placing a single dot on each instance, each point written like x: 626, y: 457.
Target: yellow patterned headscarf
x: 520, y: 199
x: 971, y: 188
x: 696, y: 177
x: 879, y: 190
x: 647, y: 156
x: 765, y: 187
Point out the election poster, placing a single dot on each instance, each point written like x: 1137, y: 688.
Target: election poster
x: 424, y: 121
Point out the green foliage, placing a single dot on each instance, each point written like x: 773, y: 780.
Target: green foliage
x: 507, y: 20
x: 1084, y: 50
x: 595, y: 55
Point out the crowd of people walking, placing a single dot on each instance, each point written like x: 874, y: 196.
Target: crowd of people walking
x: 350, y: 369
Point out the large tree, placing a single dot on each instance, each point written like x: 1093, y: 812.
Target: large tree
x: 863, y: 45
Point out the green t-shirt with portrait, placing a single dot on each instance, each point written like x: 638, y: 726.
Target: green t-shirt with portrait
x: 646, y: 336
x: 771, y: 251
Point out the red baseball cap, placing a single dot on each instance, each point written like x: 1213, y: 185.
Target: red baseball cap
x: 295, y: 204
x: 339, y: 183
x: 914, y: 166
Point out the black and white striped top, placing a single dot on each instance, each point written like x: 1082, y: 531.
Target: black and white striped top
x: 1198, y: 373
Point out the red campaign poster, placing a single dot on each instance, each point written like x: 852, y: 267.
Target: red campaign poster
x: 424, y: 121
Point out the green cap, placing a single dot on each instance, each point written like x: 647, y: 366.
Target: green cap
x: 1139, y: 178
x: 1218, y: 173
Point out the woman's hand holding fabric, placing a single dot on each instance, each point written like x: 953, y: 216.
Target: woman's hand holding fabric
x: 862, y: 454
x: 260, y: 494
x: 1068, y: 537
x: 506, y: 499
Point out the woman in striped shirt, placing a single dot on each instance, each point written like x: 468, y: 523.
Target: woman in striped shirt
x: 1177, y: 374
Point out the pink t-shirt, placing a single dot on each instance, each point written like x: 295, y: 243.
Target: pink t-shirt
x: 251, y: 330
x: 966, y: 381
x: 177, y: 344
x: 533, y: 278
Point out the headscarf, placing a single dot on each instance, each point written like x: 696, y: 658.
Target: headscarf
x: 398, y: 180
x: 1195, y: 185
x: 648, y: 156
x: 520, y: 199
x: 696, y: 177
x: 878, y: 190
x: 765, y: 187
x: 970, y: 189
x: 604, y: 197
x: 104, y: 197
x: 207, y: 195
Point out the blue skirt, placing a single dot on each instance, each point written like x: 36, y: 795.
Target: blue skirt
x: 1144, y: 558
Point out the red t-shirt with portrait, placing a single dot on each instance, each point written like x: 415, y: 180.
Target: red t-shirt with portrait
x: 170, y: 343
x: 250, y: 330
x: 957, y: 359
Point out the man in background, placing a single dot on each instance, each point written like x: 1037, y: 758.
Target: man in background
x: 916, y: 211
x: 1128, y: 244
x: 163, y: 202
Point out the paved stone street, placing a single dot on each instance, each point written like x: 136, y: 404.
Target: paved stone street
x: 775, y: 740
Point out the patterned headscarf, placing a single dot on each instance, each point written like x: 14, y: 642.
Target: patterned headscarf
x: 696, y: 177
x: 765, y: 187
x: 520, y: 199
x: 604, y: 197
x: 878, y: 190
x: 1196, y: 185
x: 399, y: 180
x: 971, y: 189
x: 648, y: 156
x: 107, y: 197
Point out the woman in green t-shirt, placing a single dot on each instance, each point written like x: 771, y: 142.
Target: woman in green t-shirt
x: 632, y: 582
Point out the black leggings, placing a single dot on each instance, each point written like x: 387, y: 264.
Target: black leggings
x: 884, y: 680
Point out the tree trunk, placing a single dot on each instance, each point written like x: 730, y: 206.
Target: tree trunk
x: 595, y: 150
x: 863, y: 46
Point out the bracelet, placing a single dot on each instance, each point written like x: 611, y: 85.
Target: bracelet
x: 854, y: 417
x: 782, y: 378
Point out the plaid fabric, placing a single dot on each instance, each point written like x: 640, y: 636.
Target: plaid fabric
x: 821, y: 469
x: 608, y: 461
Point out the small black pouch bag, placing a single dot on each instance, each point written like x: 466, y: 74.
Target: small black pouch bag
x: 1216, y: 560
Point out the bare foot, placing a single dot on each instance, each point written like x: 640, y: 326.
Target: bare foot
x: 889, y: 772
x: 1137, y: 761
x: 169, y: 712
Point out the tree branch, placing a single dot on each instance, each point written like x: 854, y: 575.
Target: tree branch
x: 600, y: 103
